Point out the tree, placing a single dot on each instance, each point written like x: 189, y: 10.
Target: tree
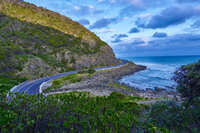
x: 188, y: 79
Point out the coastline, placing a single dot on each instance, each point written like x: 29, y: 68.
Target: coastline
x: 103, y: 83
x: 100, y: 83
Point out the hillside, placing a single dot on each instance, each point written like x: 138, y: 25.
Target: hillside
x: 36, y: 42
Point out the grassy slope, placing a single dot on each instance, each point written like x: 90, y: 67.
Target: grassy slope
x: 35, y: 15
x: 27, y: 31
x: 58, y: 83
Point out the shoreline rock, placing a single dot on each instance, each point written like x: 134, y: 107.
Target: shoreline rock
x: 103, y: 83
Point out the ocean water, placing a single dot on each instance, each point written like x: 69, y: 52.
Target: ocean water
x: 159, y: 72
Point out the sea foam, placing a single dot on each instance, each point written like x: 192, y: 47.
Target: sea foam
x: 159, y: 72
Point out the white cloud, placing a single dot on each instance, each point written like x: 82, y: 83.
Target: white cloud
x: 77, y: 8
x: 105, y: 30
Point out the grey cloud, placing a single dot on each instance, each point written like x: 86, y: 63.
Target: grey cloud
x: 134, y: 7
x: 118, y: 37
x: 137, y: 41
x: 159, y: 35
x: 131, y: 10
x: 168, y: 17
x: 84, y: 22
x: 196, y: 24
x: 104, y: 22
x: 117, y: 40
x: 180, y: 44
x: 134, y: 30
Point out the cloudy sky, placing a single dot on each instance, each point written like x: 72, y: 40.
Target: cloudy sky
x: 137, y: 27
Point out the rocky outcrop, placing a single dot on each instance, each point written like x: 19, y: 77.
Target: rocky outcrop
x: 36, y: 67
x: 104, y: 57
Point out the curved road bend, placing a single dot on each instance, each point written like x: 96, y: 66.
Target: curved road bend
x: 32, y: 87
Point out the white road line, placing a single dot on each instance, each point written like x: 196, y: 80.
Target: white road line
x: 58, y: 76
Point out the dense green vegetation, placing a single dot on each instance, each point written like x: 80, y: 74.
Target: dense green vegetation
x: 188, y: 78
x: 88, y: 71
x: 27, y: 40
x: 28, y: 32
x: 176, y: 117
x: 72, y: 112
x: 6, y: 83
x: 81, y: 112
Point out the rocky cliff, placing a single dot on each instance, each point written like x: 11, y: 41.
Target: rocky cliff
x: 36, y: 42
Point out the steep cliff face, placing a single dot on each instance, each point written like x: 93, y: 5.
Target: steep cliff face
x: 36, y: 42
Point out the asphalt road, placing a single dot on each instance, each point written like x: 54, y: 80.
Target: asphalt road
x: 32, y: 87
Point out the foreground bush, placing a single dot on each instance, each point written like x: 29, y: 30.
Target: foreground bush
x: 73, y: 112
x: 79, y: 112
x: 188, y: 79
x: 175, y: 117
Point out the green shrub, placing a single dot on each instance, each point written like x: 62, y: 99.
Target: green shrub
x: 7, y: 82
x: 58, y: 83
x: 91, y: 71
x: 71, y: 112
x: 188, y: 79
x: 174, y: 117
